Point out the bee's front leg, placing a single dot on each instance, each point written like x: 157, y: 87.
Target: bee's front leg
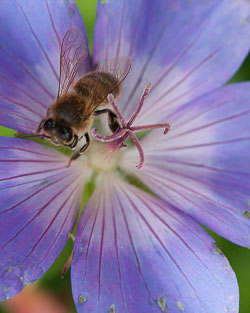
x: 39, y: 128
x: 112, y: 119
x: 81, y: 151
x: 72, y: 146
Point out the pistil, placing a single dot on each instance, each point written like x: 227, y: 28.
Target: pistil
x: 126, y: 129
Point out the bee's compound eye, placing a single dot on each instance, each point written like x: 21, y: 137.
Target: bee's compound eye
x: 49, y: 124
x: 66, y: 134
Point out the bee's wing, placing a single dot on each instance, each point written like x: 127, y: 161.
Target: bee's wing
x: 119, y: 67
x: 73, y: 52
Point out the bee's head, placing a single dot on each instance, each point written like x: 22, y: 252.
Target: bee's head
x: 58, y: 133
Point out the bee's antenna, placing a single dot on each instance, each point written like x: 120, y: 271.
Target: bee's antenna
x: 20, y: 135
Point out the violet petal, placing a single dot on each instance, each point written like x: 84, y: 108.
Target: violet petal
x: 133, y: 253
x: 30, y: 39
x: 183, y: 48
x: 203, y: 165
x: 40, y: 199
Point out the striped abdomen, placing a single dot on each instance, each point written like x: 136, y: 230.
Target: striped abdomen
x: 96, y: 86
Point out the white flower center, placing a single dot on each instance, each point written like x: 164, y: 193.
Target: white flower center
x: 101, y: 158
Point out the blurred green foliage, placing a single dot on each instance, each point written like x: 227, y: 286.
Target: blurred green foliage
x: 238, y: 257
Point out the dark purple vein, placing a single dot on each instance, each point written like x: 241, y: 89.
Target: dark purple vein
x: 162, y: 184
x: 116, y: 253
x: 121, y: 27
x: 209, y: 108
x: 53, y: 25
x: 61, y: 228
x: 206, y: 183
x: 49, y: 226
x: 135, y: 30
x: 33, y: 161
x: 27, y: 71
x: 33, y: 194
x: 21, y: 105
x: 179, y: 58
x: 222, y: 120
x: 208, y: 144
x: 89, y: 241
x: 160, y: 177
x: 11, y: 114
x: 42, y: 180
x: 22, y: 91
x: 146, y: 64
x: 39, y: 43
x: 134, y: 249
x: 169, y: 210
x: 107, y: 39
x: 170, y: 112
x: 101, y: 250
x: 210, y: 168
x: 39, y: 212
x: 188, y: 74
x: 158, y: 239
x: 176, y: 234
x: 39, y: 153
x: 32, y: 173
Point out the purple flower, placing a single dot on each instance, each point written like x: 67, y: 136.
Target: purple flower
x: 134, y: 251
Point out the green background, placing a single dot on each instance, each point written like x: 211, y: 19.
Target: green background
x: 238, y: 257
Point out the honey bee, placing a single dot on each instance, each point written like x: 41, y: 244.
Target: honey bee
x: 71, y: 115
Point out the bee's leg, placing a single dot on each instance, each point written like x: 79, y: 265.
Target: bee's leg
x: 39, y: 128
x: 72, y: 146
x: 81, y: 151
x: 112, y: 119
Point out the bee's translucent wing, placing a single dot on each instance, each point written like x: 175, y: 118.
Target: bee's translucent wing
x: 74, y: 51
x: 119, y: 67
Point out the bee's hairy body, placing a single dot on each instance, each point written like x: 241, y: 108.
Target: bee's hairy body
x: 73, y: 108
x: 70, y: 117
x: 101, y: 83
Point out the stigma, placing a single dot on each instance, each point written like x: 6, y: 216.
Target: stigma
x: 127, y: 129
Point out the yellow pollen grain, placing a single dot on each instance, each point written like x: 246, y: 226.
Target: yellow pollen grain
x: 180, y: 306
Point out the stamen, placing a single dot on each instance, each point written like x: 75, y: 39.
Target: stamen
x: 111, y: 138
x: 139, y: 147
x: 138, y: 110
x: 145, y: 127
x: 127, y: 129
